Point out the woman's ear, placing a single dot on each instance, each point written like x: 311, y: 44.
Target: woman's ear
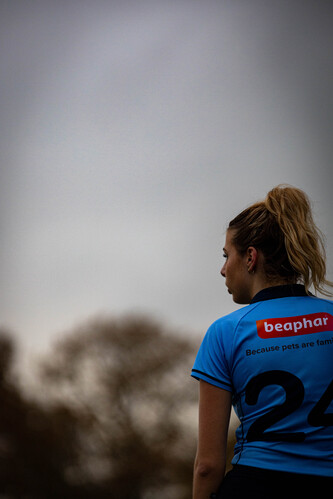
x: 251, y: 259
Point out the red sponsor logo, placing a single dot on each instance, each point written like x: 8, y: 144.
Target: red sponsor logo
x: 295, y: 326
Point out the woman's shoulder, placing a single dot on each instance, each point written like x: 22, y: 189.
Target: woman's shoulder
x: 234, y: 317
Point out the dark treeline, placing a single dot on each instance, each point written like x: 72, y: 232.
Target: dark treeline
x: 112, y: 415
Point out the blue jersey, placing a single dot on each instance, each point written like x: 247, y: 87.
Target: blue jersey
x: 276, y: 357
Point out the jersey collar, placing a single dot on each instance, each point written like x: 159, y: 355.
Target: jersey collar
x: 279, y: 292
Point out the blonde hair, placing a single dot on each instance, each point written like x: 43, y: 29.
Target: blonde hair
x: 282, y: 227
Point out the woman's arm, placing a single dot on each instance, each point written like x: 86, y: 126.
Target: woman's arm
x: 214, y: 416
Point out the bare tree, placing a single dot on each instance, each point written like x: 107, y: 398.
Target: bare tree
x: 36, y: 444
x: 129, y: 380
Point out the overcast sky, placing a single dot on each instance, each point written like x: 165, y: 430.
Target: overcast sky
x: 132, y: 132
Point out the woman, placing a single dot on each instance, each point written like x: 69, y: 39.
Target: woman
x: 271, y: 360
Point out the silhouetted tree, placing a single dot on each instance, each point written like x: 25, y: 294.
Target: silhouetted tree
x: 113, y: 416
x: 130, y: 379
x: 36, y: 444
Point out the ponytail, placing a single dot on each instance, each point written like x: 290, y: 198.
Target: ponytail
x: 282, y: 227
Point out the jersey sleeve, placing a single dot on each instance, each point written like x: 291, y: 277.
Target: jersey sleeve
x: 210, y: 364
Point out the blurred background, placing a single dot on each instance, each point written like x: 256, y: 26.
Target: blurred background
x: 131, y: 133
